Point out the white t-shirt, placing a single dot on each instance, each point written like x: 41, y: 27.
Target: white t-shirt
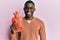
x: 28, y: 21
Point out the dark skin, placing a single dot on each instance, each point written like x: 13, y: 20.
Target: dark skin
x: 29, y: 11
x: 29, y: 8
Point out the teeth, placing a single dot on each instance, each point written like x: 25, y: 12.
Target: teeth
x: 29, y: 13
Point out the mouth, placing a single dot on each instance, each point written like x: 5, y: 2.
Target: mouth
x: 29, y: 14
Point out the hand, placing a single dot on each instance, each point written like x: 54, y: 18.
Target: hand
x: 13, y: 28
x: 17, y: 20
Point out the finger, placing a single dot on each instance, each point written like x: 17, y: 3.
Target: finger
x: 16, y: 26
x: 15, y: 14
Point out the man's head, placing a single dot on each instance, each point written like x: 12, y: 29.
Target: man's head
x: 29, y: 8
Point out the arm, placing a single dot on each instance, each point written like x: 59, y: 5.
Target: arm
x: 42, y: 32
x: 12, y: 33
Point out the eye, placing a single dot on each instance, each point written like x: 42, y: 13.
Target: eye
x: 26, y: 7
x: 31, y: 8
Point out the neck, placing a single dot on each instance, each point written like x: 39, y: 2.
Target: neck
x: 29, y: 18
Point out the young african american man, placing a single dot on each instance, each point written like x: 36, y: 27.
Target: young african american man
x: 33, y: 26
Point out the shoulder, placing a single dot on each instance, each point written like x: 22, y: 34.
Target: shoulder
x: 40, y: 21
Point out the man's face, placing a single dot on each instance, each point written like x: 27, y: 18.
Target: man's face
x: 29, y: 9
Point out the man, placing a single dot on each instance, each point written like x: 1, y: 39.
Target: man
x: 32, y: 25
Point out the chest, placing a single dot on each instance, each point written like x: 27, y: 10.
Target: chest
x: 33, y: 26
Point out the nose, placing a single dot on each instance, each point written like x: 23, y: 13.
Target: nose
x: 29, y: 10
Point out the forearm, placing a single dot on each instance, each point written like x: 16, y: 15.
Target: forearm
x: 12, y: 36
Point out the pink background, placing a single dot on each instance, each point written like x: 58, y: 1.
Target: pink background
x: 47, y: 10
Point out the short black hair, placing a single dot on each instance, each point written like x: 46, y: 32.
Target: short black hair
x: 29, y: 2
